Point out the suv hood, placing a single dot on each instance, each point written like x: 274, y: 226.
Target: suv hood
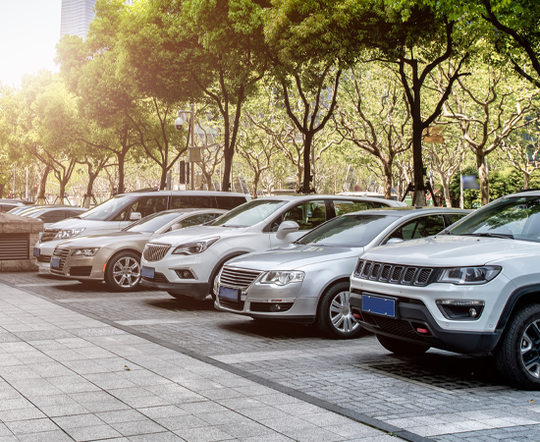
x: 452, y: 251
x: 89, y: 225
x: 293, y: 257
x: 103, y: 240
x: 196, y: 233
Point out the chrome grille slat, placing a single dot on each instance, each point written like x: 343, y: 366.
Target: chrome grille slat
x: 236, y: 277
x: 62, y: 253
x: 393, y: 273
x: 155, y: 251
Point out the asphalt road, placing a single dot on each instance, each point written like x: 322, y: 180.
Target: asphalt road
x: 440, y: 396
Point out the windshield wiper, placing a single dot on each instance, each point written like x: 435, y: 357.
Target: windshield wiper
x: 445, y: 232
x: 232, y: 225
x: 492, y: 235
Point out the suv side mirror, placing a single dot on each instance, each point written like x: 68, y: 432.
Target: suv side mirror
x: 285, y: 228
x: 135, y: 216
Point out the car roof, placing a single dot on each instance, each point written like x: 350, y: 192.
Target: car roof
x: 411, y: 211
x: 183, y: 192
x: 317, y: 196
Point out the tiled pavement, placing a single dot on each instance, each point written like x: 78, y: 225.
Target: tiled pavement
x: 67, y: 377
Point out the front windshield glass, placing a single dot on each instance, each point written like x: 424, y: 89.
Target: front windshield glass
x: 249, y: 214
x: 348, y: 231
x: 513, y: 217
x: 152, y: 223
x: 102, y: 211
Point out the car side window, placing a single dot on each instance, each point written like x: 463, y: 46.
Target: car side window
x: 192, y: 201
x: 53, y: 216
x: 145, y: 205
x: 342, y: 207
x: 454, y: 217
x: 307, y: 215
x: 419, y: 228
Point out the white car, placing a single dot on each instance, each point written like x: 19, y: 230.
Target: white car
x: 187, y: 262
x: 474, y: 288
x: 122, y: 210
x: 308, y: 281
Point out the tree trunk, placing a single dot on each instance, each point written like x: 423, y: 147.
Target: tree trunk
x: 483, y: 176
x: 387, y: 180
x: 121, y: 171
x: 2, y: 186
x: 40, y: 199
x: 419, y: 196
x: 306, y: 187
x: 526, y: 178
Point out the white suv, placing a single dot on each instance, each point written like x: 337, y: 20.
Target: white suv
x: 186, y: 262
x: 474, y: 288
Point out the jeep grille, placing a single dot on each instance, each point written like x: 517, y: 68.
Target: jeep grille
x: 393, y: 273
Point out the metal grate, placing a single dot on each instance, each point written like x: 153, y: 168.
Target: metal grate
x: 238, y: 278
x: 49, y: 234
x: 155, y: 251
x: 14, y: 246
x: 62, y: 253
x: 393, y: 274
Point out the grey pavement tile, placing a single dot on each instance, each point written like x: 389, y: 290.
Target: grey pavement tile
x: 202, y: 407
x: 47, y: 436
x: 299, y: 409
x: 11, y: 438
x: 268, y: 438
x: 353, y: 429
x: 31, y: 426
x: 179, y: 422
x: 163, y: 411
x: 157, y: 437
x: 92, y: 433
x: 241, y: 403
x: 15, y: 404
x: 134, y: 428
x: 287, y: 425
x: 83, y: 367
x: 126, y: 393
x: 265, y: 412
x: 313, y: 435
x: 208, y: 434
x: 150, y: 400
x: 223, y: 417
x: 20, y: 414
x: 245, y: 428
x: 77, y: 420
x: 4, y: 430
x: 121, y: 416
x: 222, y: 393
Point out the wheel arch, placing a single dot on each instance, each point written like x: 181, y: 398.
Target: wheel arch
x: 127, y: 249
x: 329, y: 284
x: 521, y: 297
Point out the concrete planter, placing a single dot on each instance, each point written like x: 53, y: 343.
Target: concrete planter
x: 18, y: 234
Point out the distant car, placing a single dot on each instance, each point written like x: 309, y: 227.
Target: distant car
x: 122, y: 210
x: 7, y: 204
x: 186, y: 263
x: 115, y: 257
x: 309, y: 280
x: 52, y: 214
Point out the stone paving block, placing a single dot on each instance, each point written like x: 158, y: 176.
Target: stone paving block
x: 163, y: 411
x: 82, y: 434
x: 39, y: 425
x: 209, y: 434
x: 56, y: 436
x: 157, y: 437
x: 174, y: 423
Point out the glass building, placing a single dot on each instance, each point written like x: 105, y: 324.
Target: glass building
x: 76, y: 16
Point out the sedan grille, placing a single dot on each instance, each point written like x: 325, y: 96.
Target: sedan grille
x: 238, y: 278
x: 62, y: 253
x: 49, y: 234
x: 393, y: 273
x: 155, y: 251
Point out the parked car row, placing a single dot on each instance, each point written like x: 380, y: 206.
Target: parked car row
x: 415, y: 277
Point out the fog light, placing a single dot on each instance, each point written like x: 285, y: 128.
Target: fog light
x: 461, y: 309
x: 275, y: 308
x: 473, y: 313
x: 184, y: 274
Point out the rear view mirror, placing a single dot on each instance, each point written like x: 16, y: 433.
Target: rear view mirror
x: 285, y: 228
x: 135, y: 216
x: 394, y: 241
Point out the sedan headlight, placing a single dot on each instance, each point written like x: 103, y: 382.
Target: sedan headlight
x: 91, y: 251
x: 469, y: 275
x: 69, y: 233
x: 282, y: 278
x: 194, y: 248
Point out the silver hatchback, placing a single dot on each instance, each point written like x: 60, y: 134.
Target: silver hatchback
x: 308, y: 281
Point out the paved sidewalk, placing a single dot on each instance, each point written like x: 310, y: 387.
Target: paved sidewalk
x: 67, y: 377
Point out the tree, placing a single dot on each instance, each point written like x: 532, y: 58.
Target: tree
x: 522, y: 150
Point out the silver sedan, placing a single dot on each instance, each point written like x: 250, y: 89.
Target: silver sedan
x: 309, y: 280
x: 116, y: 257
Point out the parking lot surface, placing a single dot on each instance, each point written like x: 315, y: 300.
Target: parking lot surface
x: 440, y: 396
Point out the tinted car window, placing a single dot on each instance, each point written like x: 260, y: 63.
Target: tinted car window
x: 108, y: 208
x: 145, y: 205
x: 419, y: 228
x: 342, y: 207
x: 193, y: 201
x: 52, y: 216
x: 229, y: 202
x: 249, y: 214
x: 454, y: 217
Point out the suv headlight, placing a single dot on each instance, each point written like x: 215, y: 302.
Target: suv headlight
x: 194, y: 248
x: 91, y: 251
x: 69, y: 233
x: 469, y: 275
x: 282, y: 278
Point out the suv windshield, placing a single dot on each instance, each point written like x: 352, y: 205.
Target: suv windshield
x: 104, y: 210
x: 249, y: 214
x: 152, y: 223
x: 348, y: 231
x: 510, y: 217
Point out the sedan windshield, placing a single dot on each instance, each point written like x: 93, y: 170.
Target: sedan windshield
x: 152, y: 223
x: 510, y: 218
x: 249, y: 214
x: 348, y: 231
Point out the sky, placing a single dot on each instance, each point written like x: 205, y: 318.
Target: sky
x: 29, y: 31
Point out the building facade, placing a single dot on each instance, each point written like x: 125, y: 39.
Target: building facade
x: 76, y: 16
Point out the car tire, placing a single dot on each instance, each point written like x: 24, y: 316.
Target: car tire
x: 334, y: 315
x: 123, y: 272
x: 402, y: 348
x: 517, y: 356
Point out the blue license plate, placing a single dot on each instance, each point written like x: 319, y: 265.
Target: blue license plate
x: 55, y: 262
x: 37, y: 252
x: 147, y: 272
x: 229, y: 294
x: 379, y: 305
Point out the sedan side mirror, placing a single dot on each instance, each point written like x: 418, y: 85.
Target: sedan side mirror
x: 285, y: 228
x: 394, y: 241
x: 135, y: 216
